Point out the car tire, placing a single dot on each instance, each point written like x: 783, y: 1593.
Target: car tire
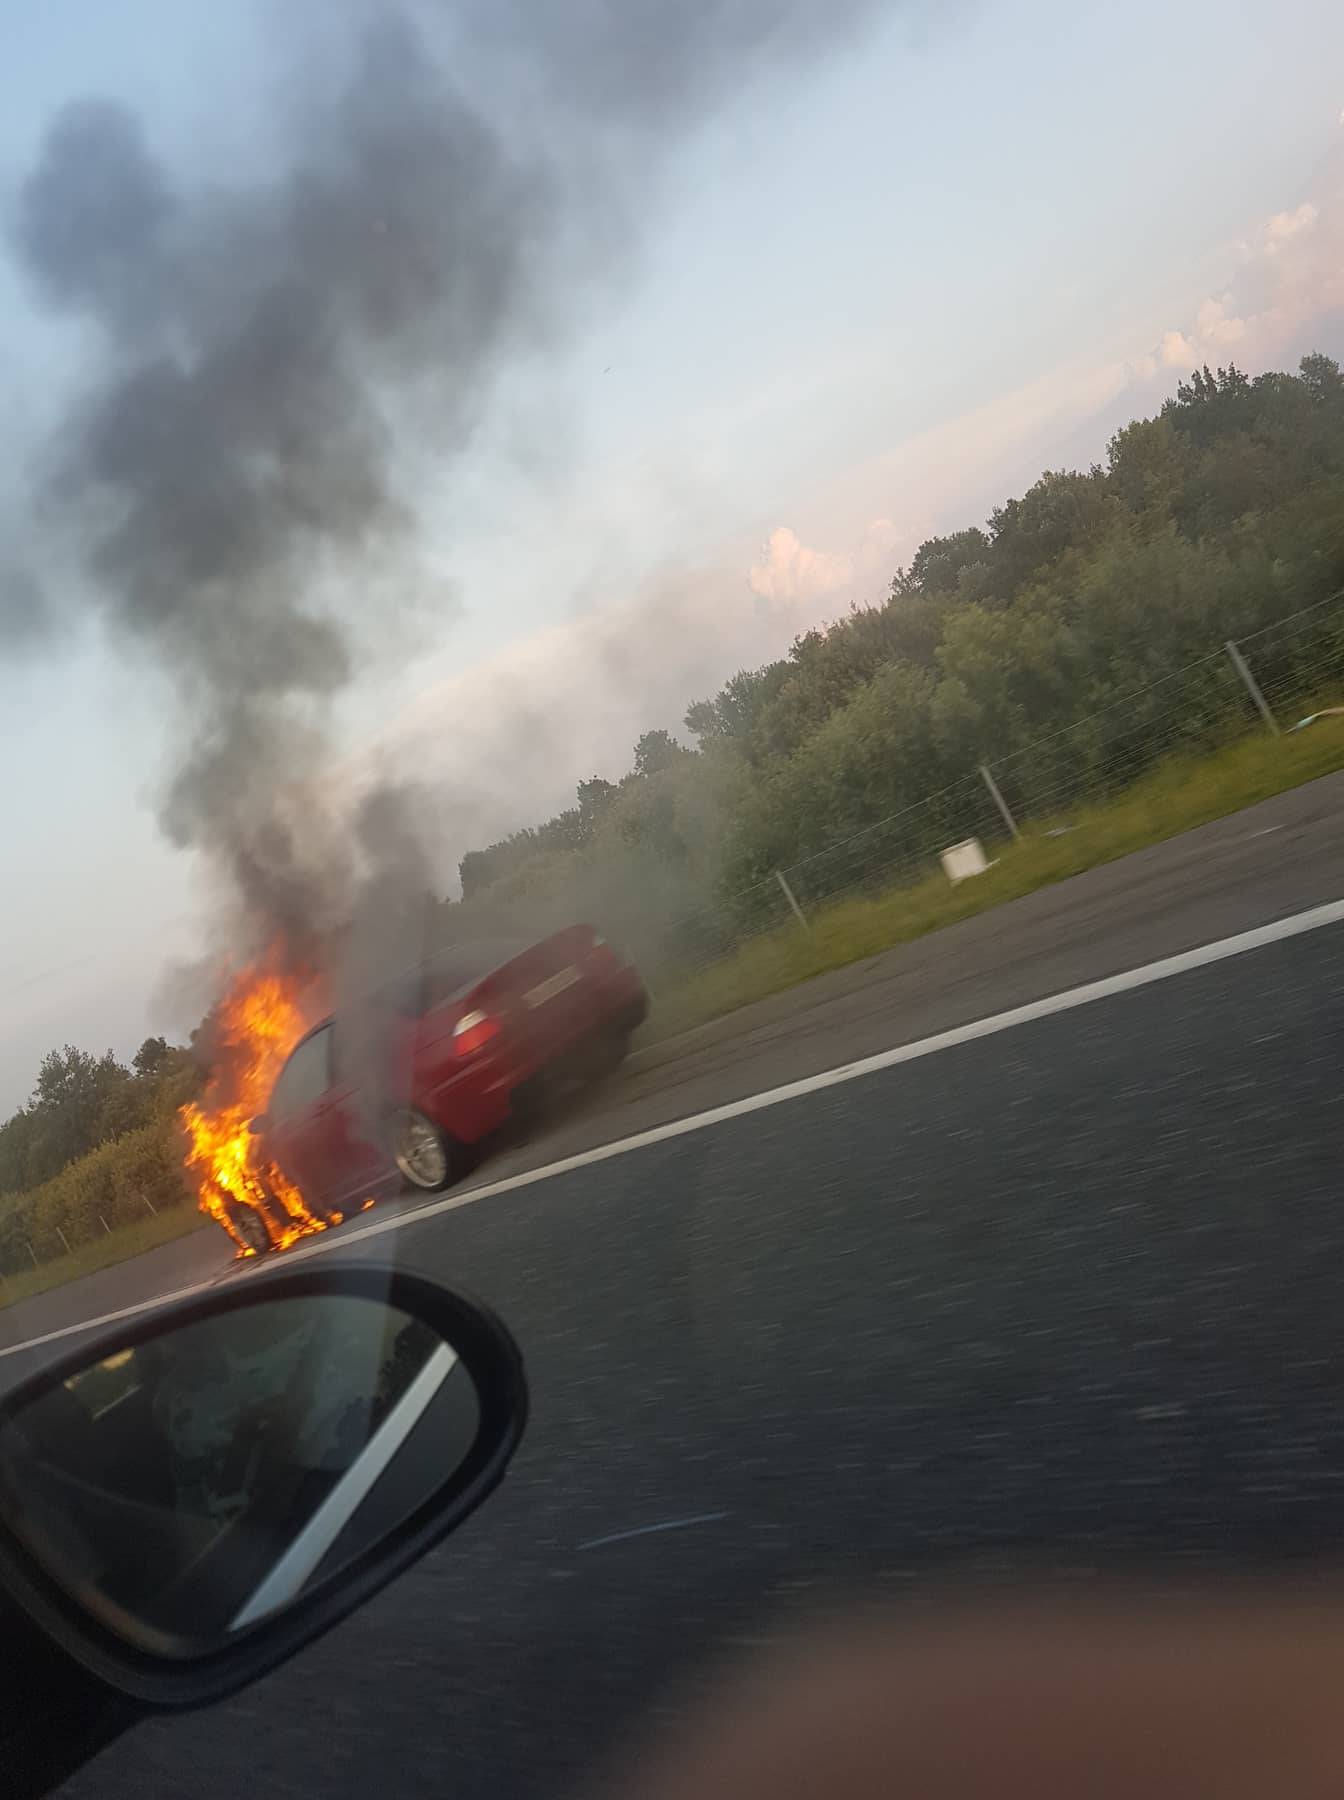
x: 426, y: 1156
x: 251, y: 1227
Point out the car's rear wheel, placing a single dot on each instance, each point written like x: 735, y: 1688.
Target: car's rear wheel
x: 426, y: 1156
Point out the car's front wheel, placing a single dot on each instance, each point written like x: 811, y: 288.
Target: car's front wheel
x: 250, y: 1227
x: 426, y: 1156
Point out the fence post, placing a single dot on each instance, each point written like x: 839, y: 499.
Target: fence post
x: 150, y: 1204
x: 999, y: 800
x: 64, y: 1239
x: 31, y: 1251
x: 103, y: 1222
x: 798, y: 912
x: 1242, y: 667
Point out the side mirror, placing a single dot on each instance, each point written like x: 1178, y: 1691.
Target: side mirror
x: 185, y: 1503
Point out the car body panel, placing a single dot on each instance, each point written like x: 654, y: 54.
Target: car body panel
x: 548, y: 1000
x: 297, y: 1129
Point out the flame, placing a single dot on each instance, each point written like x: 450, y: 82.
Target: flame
x: 258, y: 1022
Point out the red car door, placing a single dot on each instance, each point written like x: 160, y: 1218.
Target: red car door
x: 357, y: 1101
x: 297, y: 1119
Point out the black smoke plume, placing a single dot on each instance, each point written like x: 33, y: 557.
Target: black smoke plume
x: 230, y: 475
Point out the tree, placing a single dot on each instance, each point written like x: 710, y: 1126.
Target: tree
x: 734, y: 710
x: 1148, y: 462
x: 595, y: 797
x: 656, y: 751
x: 77, y: 1101
x: 869, y: 759
x: 1321, y: 377
x: 1003, y: 671
x: 17, y: 1166
x: 1243, y: 475
x: 479, y: 868
x: 1212, y: 403
x: 66, y: 1098
x: 150, y: 1058
x: 936, y: 566
x: 1064, y: 510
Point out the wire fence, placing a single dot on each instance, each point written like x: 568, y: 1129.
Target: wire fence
x: 1265, y: 681
x: 32, y: 1237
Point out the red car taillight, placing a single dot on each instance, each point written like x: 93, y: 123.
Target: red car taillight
x: 473, y: 1030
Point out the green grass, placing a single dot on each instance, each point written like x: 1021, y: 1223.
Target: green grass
x: 101, y: 1252
x: 1174, y: 797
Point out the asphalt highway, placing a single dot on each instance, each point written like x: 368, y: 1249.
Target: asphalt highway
x: 1255, y: 866
x: 1061, y: 1300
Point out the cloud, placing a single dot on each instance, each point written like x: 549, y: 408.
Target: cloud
x: 1284, y: 226
x: 1216, y: 326
x: 1286, y: 275
x: 790, y: 570
x: 1176, y: 349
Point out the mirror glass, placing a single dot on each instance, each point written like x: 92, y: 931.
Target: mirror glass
x: 197, y: 1481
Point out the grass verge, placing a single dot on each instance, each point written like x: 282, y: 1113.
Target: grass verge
x: 101, y: 1252
x: 1176, y: 796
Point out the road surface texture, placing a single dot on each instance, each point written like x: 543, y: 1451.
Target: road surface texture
x: 1063, y: 1299
x: 1257, y: 865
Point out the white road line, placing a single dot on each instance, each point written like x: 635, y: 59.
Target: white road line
x: 619, y: 1537
x: 109, y: 1318
x: 284, y: 1578
x: 1199, y: 958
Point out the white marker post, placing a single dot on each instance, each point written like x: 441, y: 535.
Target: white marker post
x: 999, y: 800
x: 789, y: 895
x: 1252, y: 686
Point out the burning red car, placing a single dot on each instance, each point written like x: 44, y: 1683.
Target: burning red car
x: 465, y: 1039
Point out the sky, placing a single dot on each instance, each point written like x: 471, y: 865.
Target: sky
x: 867, y: 295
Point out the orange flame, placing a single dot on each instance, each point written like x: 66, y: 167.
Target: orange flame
x: 258, y: 1022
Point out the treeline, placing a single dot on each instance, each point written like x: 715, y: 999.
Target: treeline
x: 1220, y: 515
x: 96, y: 1146
x: 81, y: 1101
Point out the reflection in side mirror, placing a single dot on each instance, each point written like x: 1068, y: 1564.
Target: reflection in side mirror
x: 276, y: 1451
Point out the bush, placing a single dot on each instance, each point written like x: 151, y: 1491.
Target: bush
x: 111, y: 1183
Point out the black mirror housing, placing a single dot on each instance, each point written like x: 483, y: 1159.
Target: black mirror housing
x: 155, y: 1672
